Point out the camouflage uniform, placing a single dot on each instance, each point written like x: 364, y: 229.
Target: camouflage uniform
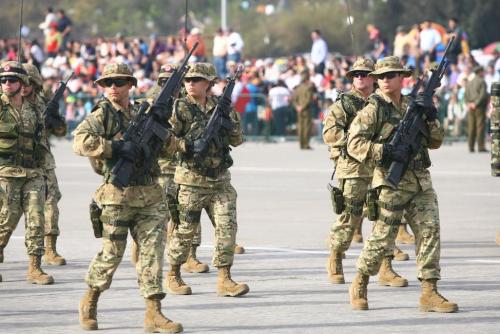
x: 303, y: 98
x: 495, y: 134
x: 53, y: 194
x: 476, y: 92
x: 139, y: 208
x: 21, y: 174
x: 370, y: 130
x: 203, y: 185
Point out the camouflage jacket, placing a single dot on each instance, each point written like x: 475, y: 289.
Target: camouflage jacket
x: 336, y: 126
x: 303, y: 95
x: 93, y: 138
x: 20, y: 140
x: 375, y: 125
x: 189, y: 120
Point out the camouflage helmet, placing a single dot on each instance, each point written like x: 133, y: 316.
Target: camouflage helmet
x: 166, y: 71
x: 34, y: 75
x: 14, y: 69
x: 116, y: 70
x: 360, y: 65
x: 202, y: 70
x: 390, y: 64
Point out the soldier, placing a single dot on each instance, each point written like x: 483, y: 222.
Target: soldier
x: 34, y: 94
x: 203, y: 185
x: 354, y: 178
x: 368, y: 140
x: 21, y: 174
x: 139, y: 208
x: 495, y: 134
x: 303, y: 98
x: 476, y: 99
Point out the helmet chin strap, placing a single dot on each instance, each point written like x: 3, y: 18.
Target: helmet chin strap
x: 14, y: 93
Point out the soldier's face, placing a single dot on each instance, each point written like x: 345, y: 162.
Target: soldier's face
x: 26, y: 90
x: 390, y: 82
x: 10, y: 84
x: 362, y: 82
x: 196, y: 87
x: 117, y: 92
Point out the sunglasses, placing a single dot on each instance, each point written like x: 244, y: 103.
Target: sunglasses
x: 4, y: 80
x: 359, y: 74
x: 389, y: 75
x: 116, y: 82
x: 162, y: 82
x: 194, y: 79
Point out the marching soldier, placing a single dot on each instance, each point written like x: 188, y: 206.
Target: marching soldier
x: 368, y: 141
x: 34, y: 94
x: 203, y: 185
x: 21, y: 173
x: 495, y: 134
x: 354, y: 177
x: 139, y: 208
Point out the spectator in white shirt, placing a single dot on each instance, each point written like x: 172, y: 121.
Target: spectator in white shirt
x: 429, y: 39
x: 319, y: 52
x: 234, y: 46
x: 279, y: 100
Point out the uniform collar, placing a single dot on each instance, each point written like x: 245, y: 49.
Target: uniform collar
x: 211, y: 103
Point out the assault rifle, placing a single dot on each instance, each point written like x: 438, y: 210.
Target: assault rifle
x: 150, y: 129
x: 219, y: 119
x: 413, y: 128
x: 52, y: 117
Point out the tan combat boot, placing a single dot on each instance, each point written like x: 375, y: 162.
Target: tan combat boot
x: 51, y: 257
x: 334, y: 268
x: 155, y: 321
x: 35, y: 273
x: 174, y: 283
x: 432, y: 301
x: 193, y: 265
x: 358, y: 291
x: 134, y: 252
x: 403, y: 236
x: 226, y: 287
x: 399, y: 255
x: 388, y: 277
x: 238, y: 249
x: 358, y: 235
x: 88, y: 310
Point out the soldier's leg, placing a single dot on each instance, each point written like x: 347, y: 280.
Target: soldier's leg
x: 11, y: 210
x: 115, y: 219
x: 471, y: 129
x: 342, y: 231
x: 300, y: 129
x: 307, y: 129
x: 51, y: 212
x: 222, y: 208
x: 191, y: 201
x: 379, y: 243
x: 481, y: 129
x: 193, y: 265
x: 425, y: 212
x: 33, y: 193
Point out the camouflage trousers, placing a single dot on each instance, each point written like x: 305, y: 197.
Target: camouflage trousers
x: 422, y: 213
x: 147, y: 227
x: 304, y: 123
x: 495, y: 143
x: 354, y: 191
x: 220, y: 204
x: 170, y: 187
x: 51, y: 210
x: 23, y: 195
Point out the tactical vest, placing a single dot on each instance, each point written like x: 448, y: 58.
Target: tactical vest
x: 351, y: 104
x: 217, y: 160
x: 20, y: 139
x: 387, y: 123
x: 113, y: 124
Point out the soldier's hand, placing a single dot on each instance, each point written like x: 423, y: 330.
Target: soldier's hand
x: 197, y: 147
x: 432, y: 114
x: 424, y: 101
x: 225, y: 103
x: 401, y: 153
x: 126, y: 149
x: 53, y: 108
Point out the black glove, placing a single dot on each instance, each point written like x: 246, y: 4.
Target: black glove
x: 386, y: 154
x: 401, y: 153
x: 432, y: 114
x: 125, y: 149
x: 424, y: 101
x: 53, y: 108
x: 225, y: 103
x: 196, y: 147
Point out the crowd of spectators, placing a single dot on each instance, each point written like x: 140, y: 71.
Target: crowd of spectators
x: 262, y: 95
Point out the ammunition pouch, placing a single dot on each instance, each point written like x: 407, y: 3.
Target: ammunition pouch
x: 337, y: 198
x: 95, y: 218
x: 354, y: 206
x: 372, y: 204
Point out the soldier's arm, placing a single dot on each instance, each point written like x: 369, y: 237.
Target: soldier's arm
x: 178, y: 122
x: 89, y: 137
x: 436, y: 135
x: 334, y: 129
x: 363, y: 128
x: 236, y: 134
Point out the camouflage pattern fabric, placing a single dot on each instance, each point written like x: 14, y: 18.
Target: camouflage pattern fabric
x: 220, y: 203
x: 414, y: 193
x: 495, y: 129
x: 51, y: 209
x: 23, y: 196
x: 147, y: 227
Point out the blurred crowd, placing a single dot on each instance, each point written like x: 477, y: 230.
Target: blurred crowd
x: 263, y: 94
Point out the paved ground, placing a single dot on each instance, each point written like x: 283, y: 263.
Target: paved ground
x: 284, y: 217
